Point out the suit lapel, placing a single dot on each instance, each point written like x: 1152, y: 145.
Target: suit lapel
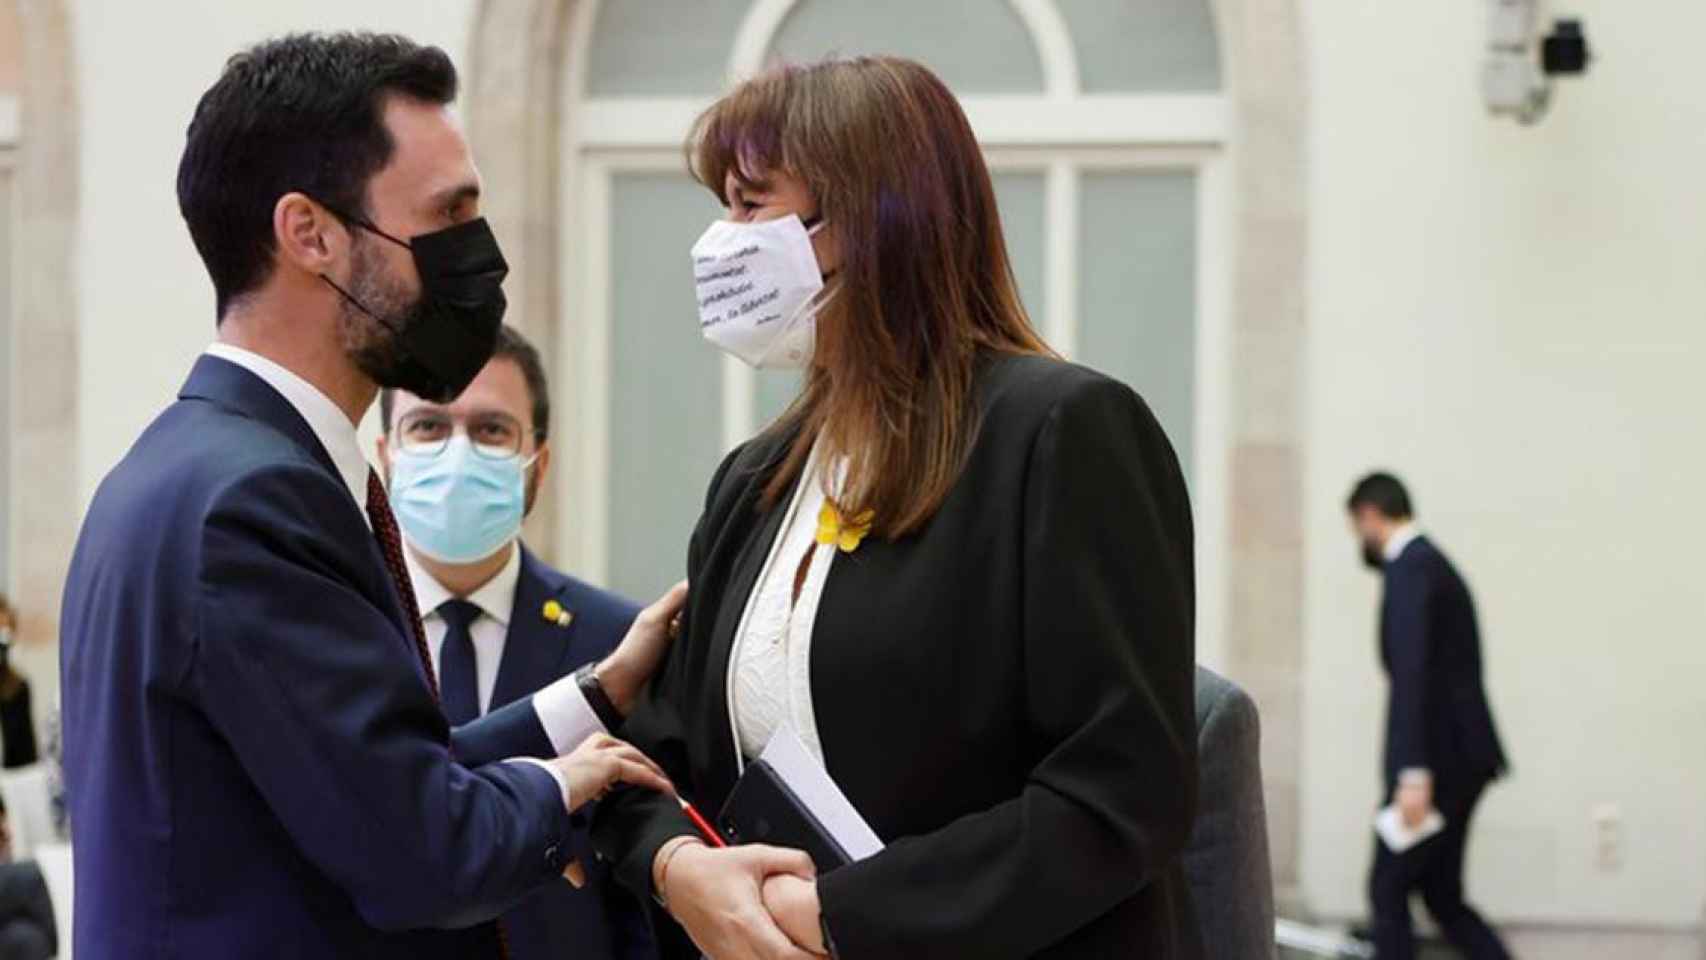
x: 220, y: 381
x: 748, y: 564
x: 534, y: 649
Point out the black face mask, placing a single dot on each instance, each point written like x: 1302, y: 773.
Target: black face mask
x: 451, y: 334
x: 1373, y: 557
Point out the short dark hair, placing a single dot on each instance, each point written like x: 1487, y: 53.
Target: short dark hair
x: 303, y: 112
x: 518, y: 349
x: 1385, y: 493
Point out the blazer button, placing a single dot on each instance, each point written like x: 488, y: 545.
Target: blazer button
x: 554, y: 857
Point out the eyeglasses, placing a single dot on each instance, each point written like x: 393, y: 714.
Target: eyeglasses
x: 495, y: 436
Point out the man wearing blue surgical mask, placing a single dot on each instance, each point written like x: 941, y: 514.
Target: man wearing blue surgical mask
x: 500, y: 624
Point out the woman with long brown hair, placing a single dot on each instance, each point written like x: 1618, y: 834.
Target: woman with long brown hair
x: 958, y: 568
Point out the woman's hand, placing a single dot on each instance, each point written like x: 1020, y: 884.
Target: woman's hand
x: 718, y: 898
x: 792, y: 902
x: 626, y: 671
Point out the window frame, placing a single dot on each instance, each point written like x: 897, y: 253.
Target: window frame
x: 1061, y: 133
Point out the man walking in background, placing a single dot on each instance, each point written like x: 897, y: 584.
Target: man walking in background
x: 1441, y: 747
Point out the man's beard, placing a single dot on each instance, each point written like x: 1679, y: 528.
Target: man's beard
x: 1373, y: 557
x: 374, y: 343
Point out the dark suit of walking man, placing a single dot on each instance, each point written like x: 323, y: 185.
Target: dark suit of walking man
x: 255, y: 760
x: 1441, y: 747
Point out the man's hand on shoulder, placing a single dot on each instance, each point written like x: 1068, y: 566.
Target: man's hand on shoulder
x: 626, y: 671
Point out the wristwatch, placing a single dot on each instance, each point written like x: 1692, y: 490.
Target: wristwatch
x: 587, y: 680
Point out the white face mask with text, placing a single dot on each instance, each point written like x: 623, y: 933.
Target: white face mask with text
x: 758, y: 286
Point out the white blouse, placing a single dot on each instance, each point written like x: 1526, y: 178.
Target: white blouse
x: 770, y: 667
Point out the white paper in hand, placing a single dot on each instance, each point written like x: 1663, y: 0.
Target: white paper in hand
x: 787, y: 755
x: 1389, y: 823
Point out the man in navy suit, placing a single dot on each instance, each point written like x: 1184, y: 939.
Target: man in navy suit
x: 255, y: 760
x: 1442, y: 749
x: 500, y: 624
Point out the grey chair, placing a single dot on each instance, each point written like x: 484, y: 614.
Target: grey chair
x: 1226, y: 861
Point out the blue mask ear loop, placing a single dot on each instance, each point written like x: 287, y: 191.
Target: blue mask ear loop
x: 526, y: 465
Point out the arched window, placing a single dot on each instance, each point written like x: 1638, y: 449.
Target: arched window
x: 1103, y: 121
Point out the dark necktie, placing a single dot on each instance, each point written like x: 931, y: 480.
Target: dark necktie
x: 458, y: 685
x: 391, y: 546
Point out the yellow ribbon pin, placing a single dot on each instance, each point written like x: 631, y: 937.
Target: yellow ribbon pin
x: 846, y: 536
x: 554, y: 613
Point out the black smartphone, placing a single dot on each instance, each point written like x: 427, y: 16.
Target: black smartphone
x: 762, y: 809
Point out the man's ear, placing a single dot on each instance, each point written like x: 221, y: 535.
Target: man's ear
x: 308, y: 235
x: 542, y: 466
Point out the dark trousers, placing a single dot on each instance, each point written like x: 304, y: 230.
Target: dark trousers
x: 1435, y: 868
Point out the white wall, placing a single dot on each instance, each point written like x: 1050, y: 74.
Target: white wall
x: 146, y: 302
x: 1515, y: 320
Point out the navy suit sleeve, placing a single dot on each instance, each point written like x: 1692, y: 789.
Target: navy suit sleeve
x: 1407, y: 654
x: 513, y: 730
x: 317, y: 693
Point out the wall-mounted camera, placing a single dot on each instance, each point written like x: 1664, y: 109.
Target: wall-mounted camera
x: 1522, y: 62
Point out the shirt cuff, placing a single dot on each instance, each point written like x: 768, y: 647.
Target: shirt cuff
x: 1415, y: 776
x: 557, y: 775
x: 566, y: 716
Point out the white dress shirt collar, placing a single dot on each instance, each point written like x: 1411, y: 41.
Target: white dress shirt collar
x: 334, y: 430
x: 489, y: 633
x: 496, y: 598
x: 1400, y: 538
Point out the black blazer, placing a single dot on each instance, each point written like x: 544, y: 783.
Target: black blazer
x: 254, y: 764
x: 1006, y: 695
x: 602, y: 920
x: 1438, y: 717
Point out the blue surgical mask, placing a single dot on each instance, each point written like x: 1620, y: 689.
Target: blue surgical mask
x: 458, y: 506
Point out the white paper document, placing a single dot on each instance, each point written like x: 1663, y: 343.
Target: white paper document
x: 794, y: 763
x: 1389, y: 823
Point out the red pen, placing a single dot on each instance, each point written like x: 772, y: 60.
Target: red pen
x: 711, y: 835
